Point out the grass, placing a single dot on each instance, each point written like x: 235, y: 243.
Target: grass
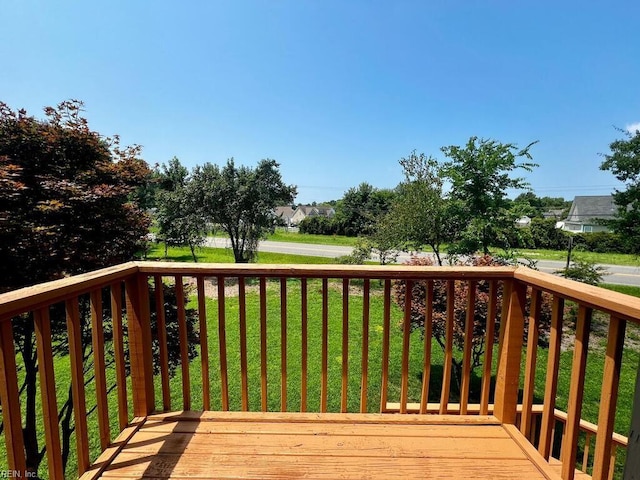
x: 337, y: 240
x: 623, y: 259
x: 225, y: 255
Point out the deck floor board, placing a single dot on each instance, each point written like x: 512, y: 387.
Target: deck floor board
x: 259, y: 445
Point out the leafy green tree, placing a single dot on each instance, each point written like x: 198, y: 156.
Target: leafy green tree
x: 241, y: 201
x: 67, y: 205
x: 360, y: 209
x: 481, y: 174
x: 180, y: 216
x: 624, y: 162
x: 421, y: 214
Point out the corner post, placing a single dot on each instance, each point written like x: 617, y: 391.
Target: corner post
x: 512, y: 325
x: 140, y: 353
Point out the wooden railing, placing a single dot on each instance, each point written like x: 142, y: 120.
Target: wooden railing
x: 287, y: 346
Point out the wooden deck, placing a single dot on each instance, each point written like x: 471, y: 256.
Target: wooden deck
x: 294, y: 445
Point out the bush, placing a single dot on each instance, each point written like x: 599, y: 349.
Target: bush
x: 461, y: 292
x: 583, y: 271
x: 319, y: 225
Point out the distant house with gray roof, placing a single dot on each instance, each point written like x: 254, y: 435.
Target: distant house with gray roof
x: 587, y: 212
x: 304, y: 211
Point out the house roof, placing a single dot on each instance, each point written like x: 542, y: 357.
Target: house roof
x: 285, y: 211
x: 586, y: 208
x: 319, y: 209
x: 554, y: 213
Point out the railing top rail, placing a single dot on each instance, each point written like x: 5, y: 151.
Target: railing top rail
x: 615, y: 303
x: 30, y: 298
x: 326, y: 271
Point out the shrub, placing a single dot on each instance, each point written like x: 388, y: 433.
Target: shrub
x: 461, y: 292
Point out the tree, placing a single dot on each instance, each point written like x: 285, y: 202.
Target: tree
x: 180, y: 216
x: 421, y: 215
x: 241, y: 201
x: 480, y: 175
x: 361, y: 208
x: 67, y: 205
x: 624, y: 163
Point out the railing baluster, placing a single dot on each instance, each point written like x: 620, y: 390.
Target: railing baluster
x: 386, y: 326
x: 448, y: 352
x: 468, y: 345
x: 244, y: 382
x: 222, y: 340
x: 77, y: 383
x: 406, y: 330
x: 161, y: 326
x: 263, y: 343
x: 304, y: 341
x: 609, y: 396
x: 345, y: 345
x: 325, y: 345
x: 551, y: 383
x: 42, y: 324
x: 492, y: 313
x: 184, y: 345
x: 428, y: 334
x: 97, y: 342
x: 576, y: 392
x: 283, y: 344
x: 612, y: 461
x: 118, y: 352
x: 204, y: 345
x: 365, y: 346
x: 585, y: 453
x: 530, y: 367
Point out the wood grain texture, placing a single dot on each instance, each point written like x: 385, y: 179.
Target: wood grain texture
x: 576, y: 392
x: 609, y: 397
x: 293, y: 445
x: 118, y: 353
x: 364, y: 369
x: 99, y: 368
x: 427, y: 342
x: 508, y: 378
x: 140, y: 354
x: 10, y: 400
x: 492, y: 313
x: 551, y: 382
x: 530, y: 365
x: 42, y: 323
x: 222, y: 342
x: 345, y: 346
x: 304, y: 333
x: 244, y: 380
x: 386, y: 325
x: 161, y: 326
x: 263, y: 344
x: 184, y: 343
x: 448, y: 350
x: 204, y: 344
x: 468, y: 344
x: 74, y: 332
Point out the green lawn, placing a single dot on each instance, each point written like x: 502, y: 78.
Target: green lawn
x: 225, y: 255
x: 338, y: 240
x: 602, y: 258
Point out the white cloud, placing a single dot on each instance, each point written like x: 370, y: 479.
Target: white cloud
x: 633, y: 127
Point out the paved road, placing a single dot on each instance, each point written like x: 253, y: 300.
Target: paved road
x: 617, y: 274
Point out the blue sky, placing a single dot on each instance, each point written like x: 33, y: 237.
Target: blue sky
x: 336, y: 91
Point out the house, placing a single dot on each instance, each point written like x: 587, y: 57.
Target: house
x: 555, y: 213
x: 523, y: 221
x: 304, y: 211
x: 285, y: 213
x: 587, y: 212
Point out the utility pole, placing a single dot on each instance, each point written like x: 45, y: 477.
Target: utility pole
x: 569, y: 252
